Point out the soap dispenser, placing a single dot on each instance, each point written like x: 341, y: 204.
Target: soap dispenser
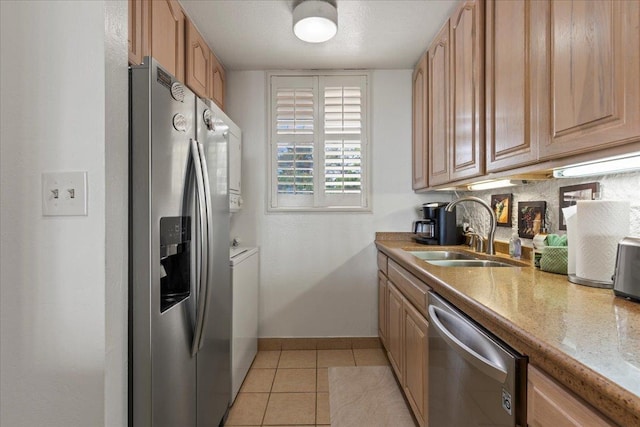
x: 515, y: 247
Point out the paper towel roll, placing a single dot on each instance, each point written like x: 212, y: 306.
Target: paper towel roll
x: 600, y: 225
x: 570, y: 219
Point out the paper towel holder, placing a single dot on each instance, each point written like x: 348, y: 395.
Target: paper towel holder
x: 593, y: 283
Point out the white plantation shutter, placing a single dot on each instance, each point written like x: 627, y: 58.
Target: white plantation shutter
x: 318, y: 142
x: 342, y: 136
x: 294, y: 110
x: 295, y: 130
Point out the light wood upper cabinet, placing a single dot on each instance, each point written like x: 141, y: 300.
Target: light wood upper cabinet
x: 394, y: 331
x: 198, y: 64
x: 217, y: 82
x: 516, y: 82
x: 455, y: 93
x: 167, y: 35
x: 138, y: 31
x: 467, y: 91
x: 160, y: 28
x: 419, y: 134
x: 595, y: 75
x: 551, y: 405
x: 416, y: 362
x: 438, y: 108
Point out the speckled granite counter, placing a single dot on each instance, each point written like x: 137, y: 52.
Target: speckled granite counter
x: 586, y: 338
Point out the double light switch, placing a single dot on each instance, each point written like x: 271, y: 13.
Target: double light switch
x: 64, y: 193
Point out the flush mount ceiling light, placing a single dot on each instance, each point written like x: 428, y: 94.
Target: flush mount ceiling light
x: 315, y: 21
x: 613, y: 165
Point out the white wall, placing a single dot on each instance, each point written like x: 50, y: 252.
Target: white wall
x: 116, y: 152
x: 318, y: 271
x: 54, y: 110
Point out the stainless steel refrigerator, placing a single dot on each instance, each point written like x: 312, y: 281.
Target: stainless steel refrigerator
x: 180, y: 287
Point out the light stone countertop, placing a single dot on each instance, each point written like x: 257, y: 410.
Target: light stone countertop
x: 586, y: 338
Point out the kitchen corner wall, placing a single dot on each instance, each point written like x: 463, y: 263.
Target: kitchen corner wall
x: 318, y: 270
x: 63, y: 280
x: 612, y: 187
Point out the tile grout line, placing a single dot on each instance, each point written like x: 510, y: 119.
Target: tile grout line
x: 315, y: 409
x: 264, y: 414
x: 315, y: 412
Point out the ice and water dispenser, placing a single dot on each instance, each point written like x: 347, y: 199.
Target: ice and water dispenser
x: 175, y: 260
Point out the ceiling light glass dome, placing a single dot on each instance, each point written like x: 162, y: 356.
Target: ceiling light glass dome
x: 315, y: 21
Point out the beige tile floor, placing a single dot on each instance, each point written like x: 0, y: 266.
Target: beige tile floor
x: 291, y: 387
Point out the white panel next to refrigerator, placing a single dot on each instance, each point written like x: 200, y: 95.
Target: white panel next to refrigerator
x: 244, y: 325
x: 235, y: 168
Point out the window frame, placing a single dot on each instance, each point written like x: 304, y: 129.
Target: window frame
x: 318, y: 200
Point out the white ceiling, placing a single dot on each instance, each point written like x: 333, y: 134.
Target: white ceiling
x: 372, y: 34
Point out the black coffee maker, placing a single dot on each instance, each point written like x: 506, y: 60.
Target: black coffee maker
x: 437, y: 226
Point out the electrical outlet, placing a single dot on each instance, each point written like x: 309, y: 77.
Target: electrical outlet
x: 64, y: 193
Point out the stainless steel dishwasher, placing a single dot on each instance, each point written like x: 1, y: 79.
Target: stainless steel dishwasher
x: 474, y: 378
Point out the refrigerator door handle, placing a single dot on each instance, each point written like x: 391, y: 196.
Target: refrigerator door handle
x: 208, y: 240
x: 204, y: 248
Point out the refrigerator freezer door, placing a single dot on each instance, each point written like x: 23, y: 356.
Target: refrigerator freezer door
x: 163, y: 373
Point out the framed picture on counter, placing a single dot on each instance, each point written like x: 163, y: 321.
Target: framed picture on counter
x: 501, y: 205
x: 531, y: 218
x: 570, y: 195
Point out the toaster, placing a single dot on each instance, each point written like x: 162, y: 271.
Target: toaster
x: 626, y: 276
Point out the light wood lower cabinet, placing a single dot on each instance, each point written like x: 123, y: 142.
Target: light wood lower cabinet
x: 394, y: 332
x: 550, y: 405
x: 403, y: 330
x: 416, y: 361
x: 382, y: 311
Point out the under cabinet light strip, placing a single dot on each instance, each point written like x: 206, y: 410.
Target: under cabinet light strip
x: 619, y: 165
x: 488, y: 185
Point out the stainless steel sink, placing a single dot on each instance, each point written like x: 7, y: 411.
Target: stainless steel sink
x: 457, y: 259
x: 468, y: 263
x: 440, y: 255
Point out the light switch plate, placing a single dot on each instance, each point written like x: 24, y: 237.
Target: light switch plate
x: 64, y: 193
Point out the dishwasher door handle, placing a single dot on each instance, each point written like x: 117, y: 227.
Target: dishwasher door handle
x: 492, y: 368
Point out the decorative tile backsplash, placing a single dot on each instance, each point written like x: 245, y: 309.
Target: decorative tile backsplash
x: 612, y: 187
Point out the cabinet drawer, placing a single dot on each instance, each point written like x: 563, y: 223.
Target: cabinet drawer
x: 412, y: 288
x: 382, y: 262
x: 550, y: 404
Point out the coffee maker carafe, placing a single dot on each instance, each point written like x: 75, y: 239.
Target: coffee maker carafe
x: 437, y: 226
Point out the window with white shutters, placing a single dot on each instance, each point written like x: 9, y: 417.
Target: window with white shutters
x: 318, y: 137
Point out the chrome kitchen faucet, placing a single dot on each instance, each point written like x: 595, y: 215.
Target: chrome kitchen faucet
x: 492, y: 221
